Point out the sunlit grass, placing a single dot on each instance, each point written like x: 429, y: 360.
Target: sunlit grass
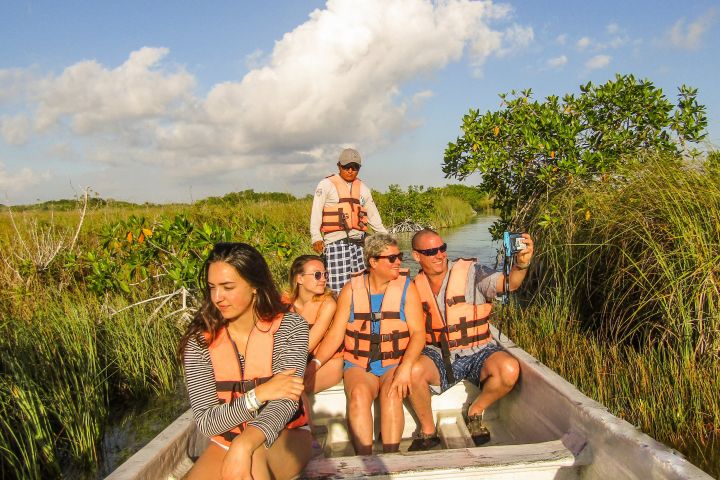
x: 624, y: 297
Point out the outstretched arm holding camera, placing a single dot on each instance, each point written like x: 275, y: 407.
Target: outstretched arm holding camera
x: 520, y: 266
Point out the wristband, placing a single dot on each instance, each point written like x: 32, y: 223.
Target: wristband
x: 524, y: 267
x: 251, y: 401
x: 317, y: 360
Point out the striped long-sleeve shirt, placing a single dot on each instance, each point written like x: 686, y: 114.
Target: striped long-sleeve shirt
x: 290, y: 349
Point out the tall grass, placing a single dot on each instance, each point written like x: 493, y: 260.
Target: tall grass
x: 625, y: 300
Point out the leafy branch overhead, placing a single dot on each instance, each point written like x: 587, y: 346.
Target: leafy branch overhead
x: 528, y: 149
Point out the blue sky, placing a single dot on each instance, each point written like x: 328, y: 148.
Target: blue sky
x: 177, y: 101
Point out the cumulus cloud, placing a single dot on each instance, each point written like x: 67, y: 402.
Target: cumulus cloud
x: 557, y: 62
x: 612, y: 28
x: 15, y: 129
x: 336, y: 79
x: 689, y: 37
x: 18, y: 181
x: 96, y: 99
x: 598, y: 61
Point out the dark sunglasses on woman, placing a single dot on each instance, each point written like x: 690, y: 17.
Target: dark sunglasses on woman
x: 391, y: 258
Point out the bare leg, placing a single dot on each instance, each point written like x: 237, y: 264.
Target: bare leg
x: 289, y: 454
x: 499, y: 374
x: 361, y: 390
x: 424, y: 374
x: 208, y: 465
x: 286, y: 458
x: 392, y: 417
x: 328, y: 376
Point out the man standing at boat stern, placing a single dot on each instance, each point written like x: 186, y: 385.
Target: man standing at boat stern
x: 456, y: 298
x: 341, y: 212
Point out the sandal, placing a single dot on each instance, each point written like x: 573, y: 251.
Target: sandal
x: 479, y: 433
x: 424, y: 441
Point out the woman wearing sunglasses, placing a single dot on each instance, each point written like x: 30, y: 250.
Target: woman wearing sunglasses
x: 379, y: 317
x: 311, y: 298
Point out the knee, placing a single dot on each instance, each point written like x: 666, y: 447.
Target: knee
x: 419, y: 375
x: 359, y: 398
x: 509, y: 371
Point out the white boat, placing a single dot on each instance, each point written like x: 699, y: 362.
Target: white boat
x: 544, y: 429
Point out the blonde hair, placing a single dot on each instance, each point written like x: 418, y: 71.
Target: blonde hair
x: 376, y: 243
x: 298, y: 267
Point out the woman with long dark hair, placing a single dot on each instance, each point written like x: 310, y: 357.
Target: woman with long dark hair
x: 311, y: 298
x: 244, y: 356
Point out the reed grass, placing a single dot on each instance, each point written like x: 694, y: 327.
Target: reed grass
x: 623, y: 300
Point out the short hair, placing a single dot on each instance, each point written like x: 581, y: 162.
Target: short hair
x: 376, y: 243
x: 418, y: 235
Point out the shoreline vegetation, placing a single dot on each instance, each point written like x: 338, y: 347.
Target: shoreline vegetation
x: 622, y: 301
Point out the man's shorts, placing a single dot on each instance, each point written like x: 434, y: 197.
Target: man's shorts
x: 467, y: 368
x: 342, y: 259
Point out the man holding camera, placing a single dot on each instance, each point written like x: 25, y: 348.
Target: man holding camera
x: 342, y: 209
x: 456, y: 298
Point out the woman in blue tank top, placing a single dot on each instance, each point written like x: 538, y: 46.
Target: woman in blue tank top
x: 377, y: 367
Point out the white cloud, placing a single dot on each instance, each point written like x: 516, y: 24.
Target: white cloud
x: 557, y: 62
x: 583, y: 43
x: 561, y: 39
x: 14, y: 130
x: 598, y: 61
x: 334, y: 80
x: 95, y: 99
x: 18, y: 181
x: 515, y: 38
x: 690, y: 37
x: 612, y: 28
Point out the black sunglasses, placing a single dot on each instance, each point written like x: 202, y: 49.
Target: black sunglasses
x: 351, y: 166
x: 429, y: 252
x: 391, y: 258
x: 318, y: 275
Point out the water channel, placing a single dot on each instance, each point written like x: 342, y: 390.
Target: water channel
x: 138, y: 424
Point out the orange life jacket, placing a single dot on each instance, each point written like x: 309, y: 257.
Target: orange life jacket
x: 231, y: 382
x: 362, y: 346
x: 465, y: 324
x: 310, y: 313
x: 348, y: 213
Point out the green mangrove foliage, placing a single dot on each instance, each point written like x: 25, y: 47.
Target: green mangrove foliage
x: 528, y: 150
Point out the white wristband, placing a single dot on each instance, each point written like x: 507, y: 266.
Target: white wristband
x: 317, y: 360
x: 251, y: 401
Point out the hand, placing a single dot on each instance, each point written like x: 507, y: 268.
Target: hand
x: 401, y: 380
x: 319, y: 246
x: 237, y: 463
x: 283, y: 385
x: 523, y: 257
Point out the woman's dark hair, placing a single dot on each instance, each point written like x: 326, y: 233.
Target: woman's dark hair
x: 252, y: 267
x: 298, y: 267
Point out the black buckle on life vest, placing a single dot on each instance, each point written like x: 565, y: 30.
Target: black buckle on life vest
x: 455, y: 300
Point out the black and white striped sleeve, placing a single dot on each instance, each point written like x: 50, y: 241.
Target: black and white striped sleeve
x: 290, y: 350
x: 212, y: 417
x: 290, y: 347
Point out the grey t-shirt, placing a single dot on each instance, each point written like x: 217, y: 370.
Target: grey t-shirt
x: 479, y: 289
